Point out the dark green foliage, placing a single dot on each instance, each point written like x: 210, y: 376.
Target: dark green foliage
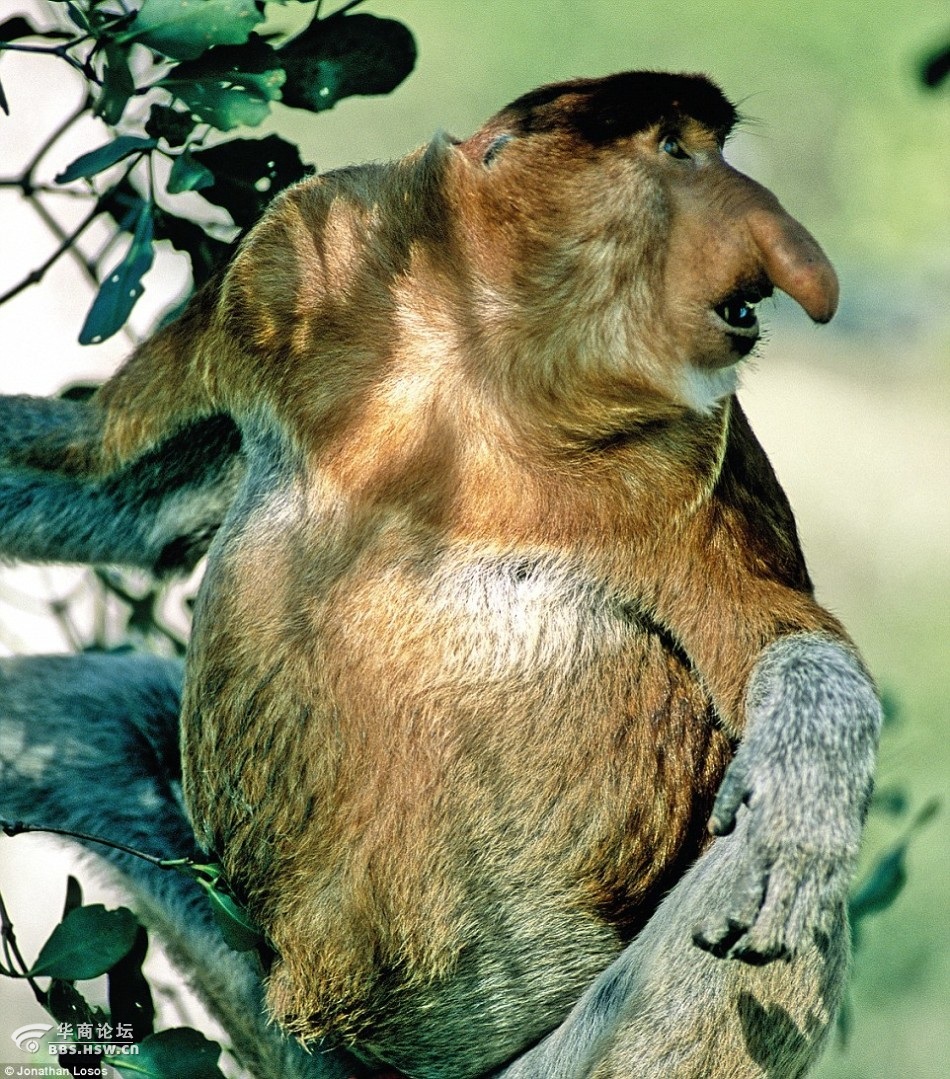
x: 239, y: 932
x: 205, y: 251
x: 248, y: 173
x: 169, y: 124
x: 183, y: 29
x: 69, y: 953
x: 180, y: 1053
x: 229, y: 85
x: 118, y: 86
x: 130, y: 998
x: 887, y: 877
x: 201, y: 68
x: 935, y: 68
x: 66, y: 1004
x: 91, y: 941
x: 95, y: 161
x: 73, y: 894
x: 345, y: 55
x: 123, y: 286
x: 188, y: 174
x: 884, y: 881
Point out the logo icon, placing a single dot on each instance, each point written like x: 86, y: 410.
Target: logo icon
x: 28, y: 1038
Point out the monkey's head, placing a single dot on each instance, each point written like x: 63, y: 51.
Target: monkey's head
x: 588, y: 258
x: 610, y: 230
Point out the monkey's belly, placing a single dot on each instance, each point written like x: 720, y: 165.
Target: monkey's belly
x: 449, y: 821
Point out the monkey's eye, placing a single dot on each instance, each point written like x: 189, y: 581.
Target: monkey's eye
x: 671, y: 145
x: 494, y: 148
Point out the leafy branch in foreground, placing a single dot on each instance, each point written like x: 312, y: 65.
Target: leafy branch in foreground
x: 91, y: 941
x: 238, y: 930
x: 884, y: 881
x: 166, y: 78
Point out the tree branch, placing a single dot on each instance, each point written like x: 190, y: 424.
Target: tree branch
x: 37, y: 275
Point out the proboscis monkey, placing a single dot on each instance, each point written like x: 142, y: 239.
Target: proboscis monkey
x: 502, y: 592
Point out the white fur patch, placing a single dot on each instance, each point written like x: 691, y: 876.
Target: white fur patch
x: 702, y: 389
x: 513, y: 613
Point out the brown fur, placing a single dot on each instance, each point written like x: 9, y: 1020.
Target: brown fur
x: 473, y: 646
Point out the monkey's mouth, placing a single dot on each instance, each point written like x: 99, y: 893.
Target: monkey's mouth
x: 737, y: 312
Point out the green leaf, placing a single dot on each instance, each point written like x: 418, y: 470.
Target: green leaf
x: 117, y: 84
x: 890, y: 800
x: 104, y: 157
x: 890, y: 706
x: 169, y: 124
x: 180, y: 1053
x: 188, y: 175
x: 86, y: 943
x: 66, y: 1004
x: 345, y: 55
x: 206, y: 252
x: 77, y: 17
x: 237, y: 928
x: 881, y: 886
x: 130, y: 998
x: 248, y: 173
x: 887, y: 877
x: 73, y: 895
x: 184, y: 29
x: 121, y: 289
x: 229, y: 85
x: 239, y: 932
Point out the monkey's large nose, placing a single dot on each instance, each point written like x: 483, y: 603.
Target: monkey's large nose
x: 795, y: 262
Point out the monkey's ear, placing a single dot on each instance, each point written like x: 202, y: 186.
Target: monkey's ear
x: 494, y: 148
x: 487, y: 145
x: 443, y: 155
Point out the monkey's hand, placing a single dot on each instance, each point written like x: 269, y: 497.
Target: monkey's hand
x: 803, y: 773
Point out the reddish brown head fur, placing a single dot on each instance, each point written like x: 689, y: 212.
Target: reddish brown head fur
x: 725, y: 243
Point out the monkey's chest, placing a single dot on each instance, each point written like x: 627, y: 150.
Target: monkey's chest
x: 513, y: 706
x: 461, y: 770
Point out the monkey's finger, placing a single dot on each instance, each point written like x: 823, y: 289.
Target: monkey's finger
x: 767, y: 937
x: 734, y: 792
x: 816, y: 897
x: 720, y: 932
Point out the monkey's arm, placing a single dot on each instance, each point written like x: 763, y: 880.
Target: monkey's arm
x: 159, y: 512
x: 666, y: 1010
x: 805, y: 770
x: 789, y: 684
x: 67, y: 721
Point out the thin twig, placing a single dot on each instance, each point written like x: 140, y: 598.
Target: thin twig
x: 55, y: 135
x: 48, y: 50
x: 59, y: 51
x: 14, y: 956
x: 43, y: 189
x: 60, y: 233
x: 346, y: 7
x: 15, y: 828
x: 37, y: 275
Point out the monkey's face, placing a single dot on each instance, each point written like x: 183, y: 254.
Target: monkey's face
x: 610, y: 222
x: 729, y: 245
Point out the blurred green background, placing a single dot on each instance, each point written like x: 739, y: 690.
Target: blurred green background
x: 856, y: 416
